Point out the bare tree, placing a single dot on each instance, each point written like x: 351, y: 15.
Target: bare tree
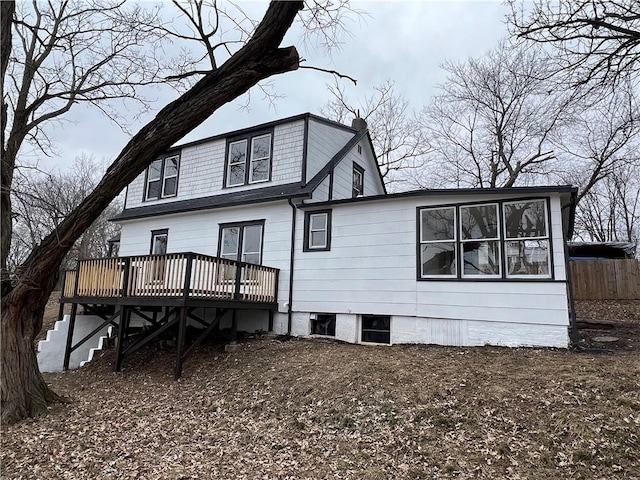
x: 41, y: 201
x: 597, y: 41
x: 610, y: 210
x: 601, y: 140
x: 24, y: 392
x: 396, y: 136
x: 492, y: 122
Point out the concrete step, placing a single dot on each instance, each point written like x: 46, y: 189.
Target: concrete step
x: 51, y: 350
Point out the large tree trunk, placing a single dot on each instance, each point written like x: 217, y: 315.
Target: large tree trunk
x: 23, y: 389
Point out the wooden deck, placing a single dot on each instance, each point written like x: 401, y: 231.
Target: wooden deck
x: 175, y: 285
x: 171, y: 279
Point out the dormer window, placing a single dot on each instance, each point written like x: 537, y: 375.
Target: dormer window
x: 358, y: 181
x: 249, y: 160
x: 162, y: 178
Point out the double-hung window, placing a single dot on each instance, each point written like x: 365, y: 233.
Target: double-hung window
x: 317, y: 226
x: 526, y: 236
x: 480, y: 240
x: 162, y: 178
x: 501, y: 240
x: 438, y: 242
x: 249, y: 160
x: 241, y: 242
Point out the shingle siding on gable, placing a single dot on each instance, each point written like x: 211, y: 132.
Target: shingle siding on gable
x: 324, y: 142
x: 202, y: 167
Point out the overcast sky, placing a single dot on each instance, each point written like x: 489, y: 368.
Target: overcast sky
x: 405, y: 42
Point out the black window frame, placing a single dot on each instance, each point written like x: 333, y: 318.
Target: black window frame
x: 159, y: 233
x: 307, y: 231
x: 242, y: 226
x: 328, y: 317
x: 504, y: 276
x: 366, y: 318
x: 354, y: 191
x: 248, y: 138
x: 162, y: 179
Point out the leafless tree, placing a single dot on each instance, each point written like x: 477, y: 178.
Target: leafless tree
x: 610, y: 210
x: 395, y: 134
x: 602, y: 139
x: 597, y: 41
x: 42, y: 200
x: 43, y: 38
x: 492, y: 122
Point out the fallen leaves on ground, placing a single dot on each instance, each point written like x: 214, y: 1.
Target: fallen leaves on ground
x: 310, y: 409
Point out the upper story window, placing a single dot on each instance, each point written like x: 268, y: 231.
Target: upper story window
x: 358, y: 181
x: 249, y: 160
x: 317, y: 230
x: 162, y: 178
x: 503, y: 240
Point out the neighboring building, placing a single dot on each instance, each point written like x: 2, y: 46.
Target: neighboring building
x: 304, y: 195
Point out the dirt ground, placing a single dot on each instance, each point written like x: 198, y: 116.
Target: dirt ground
x: 609, y: 318
x: 309, y: 409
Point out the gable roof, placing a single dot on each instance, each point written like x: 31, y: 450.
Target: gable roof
x: 245, y: 197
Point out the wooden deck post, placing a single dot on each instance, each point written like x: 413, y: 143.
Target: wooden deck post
x: 234, y: 325
x: 122, y: 327
x: 182, y: 325
x: 72, y: 323
x: 270, y: 327
x: 182, y: 328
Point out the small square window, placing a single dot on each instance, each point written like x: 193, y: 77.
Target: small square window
x: 317, y: 231
x: 376, y: 329
x: 324, y: 324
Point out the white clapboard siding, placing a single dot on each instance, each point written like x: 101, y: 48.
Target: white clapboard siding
x: 202, y: 167
x: 199, y: 232
x: 343, y: 173
x: 372, y: 269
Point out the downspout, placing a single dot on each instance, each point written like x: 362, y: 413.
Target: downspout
x: 291, y: 259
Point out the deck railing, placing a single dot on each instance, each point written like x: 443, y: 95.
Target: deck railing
x: 186, y: 275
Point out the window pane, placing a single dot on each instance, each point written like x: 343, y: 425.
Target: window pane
x: 171, y: 167
x: 154, y: 170
x: 481, y: 258
x: 229, y: 247
x: 261, y: 147
x: 238, y: 152
x: 376, y: 329
x: 438, y: 224
x: 324, y: 324
x: 527, y: 257
x: 252, y: 239
x: 318, y: 239
x: 153, y: 189
x: 319, y: 221
x: 251, y: 258
x: 479, y: 221
x: 438, y: 259
x: 260, y: 170
x: 525, y: 219
x: 170, y: 186
x: 159, y: 244
x: 236, y: 174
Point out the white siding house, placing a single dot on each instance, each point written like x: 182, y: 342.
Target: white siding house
x: 305, y: 195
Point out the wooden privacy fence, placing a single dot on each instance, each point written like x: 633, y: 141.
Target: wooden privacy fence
x: 187, y: 275
x: 606, y: 279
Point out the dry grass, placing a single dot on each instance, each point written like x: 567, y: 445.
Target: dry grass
x: 321, y: 409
